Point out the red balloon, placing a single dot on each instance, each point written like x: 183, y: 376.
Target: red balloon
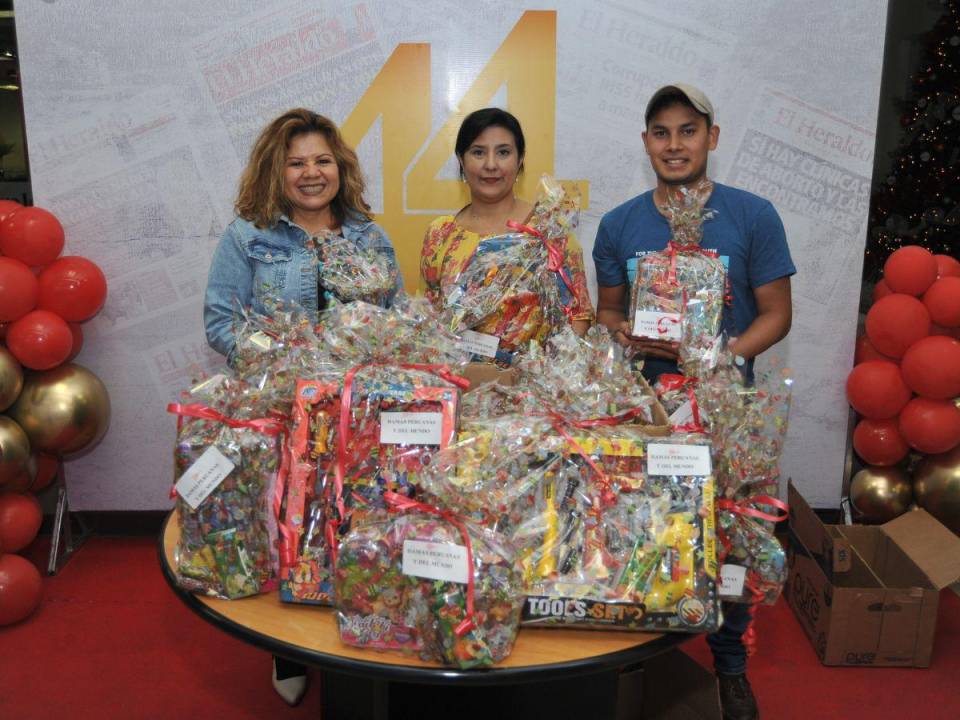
x: 72, y: 287
x: 931, y: 367
x: 881, y: 290
x: 942, y: 301
x: 947, y: 266
x: 20, y: 588
x: 47, y: 468
x: 930, y: 426
x: 20, y: 519
x: 879, y: 442
x: 32, y: 235
x: 40, y: 340
x: 8, y: 207
x: 77, y: 332
x: 876, y: 389
x: 953, y: 332
x: 864, y: 350
x: 893, y: 324
x: 18, y: 289
x: 911, y: 270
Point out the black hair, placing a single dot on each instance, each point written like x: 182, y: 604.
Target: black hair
x: 668, y: 99
x: 478, y: 121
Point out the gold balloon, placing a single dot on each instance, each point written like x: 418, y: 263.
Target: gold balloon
x: 11, y: 378
x: 14, y: 450
x: 936, y: 483
x: 879, y: 494
x: 62, y: 410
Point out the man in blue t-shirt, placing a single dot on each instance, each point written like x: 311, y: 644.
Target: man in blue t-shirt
x: 747, y: 233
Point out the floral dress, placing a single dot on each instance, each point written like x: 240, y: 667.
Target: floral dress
x: 448, y: 249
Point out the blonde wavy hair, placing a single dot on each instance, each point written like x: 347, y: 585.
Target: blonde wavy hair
x: 261, y: 199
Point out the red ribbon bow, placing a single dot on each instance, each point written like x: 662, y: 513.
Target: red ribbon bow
x: 399, y: 502
x: 672, y: 381
x: 554, y: 261
x: 346, y: 401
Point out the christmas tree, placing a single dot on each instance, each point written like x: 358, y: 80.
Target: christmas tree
x: 918, y: 203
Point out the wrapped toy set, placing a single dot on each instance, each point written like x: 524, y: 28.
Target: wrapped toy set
x: 428, y: 582
x: 607, y: 534
x: 349, y: 272
x: 343, y: 437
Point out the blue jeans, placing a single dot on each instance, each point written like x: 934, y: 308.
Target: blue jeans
x: 729, y: 652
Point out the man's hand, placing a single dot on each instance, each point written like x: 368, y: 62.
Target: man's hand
x: 666, y: 349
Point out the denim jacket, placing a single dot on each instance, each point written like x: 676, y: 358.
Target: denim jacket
x: 251, y: 264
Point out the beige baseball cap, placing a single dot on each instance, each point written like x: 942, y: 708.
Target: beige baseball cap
x: 696, y: 97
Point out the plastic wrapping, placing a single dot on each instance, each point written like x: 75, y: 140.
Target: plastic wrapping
x: 396, y: 590
x: 679, y: 293
x: 349, y: 272
x: 337, y: 460
x: 601, y: 542
x: 515, y: 289
x: 585, y: 378
x: 410, y: 331
x: 227, y: 546
x: 748, y: 426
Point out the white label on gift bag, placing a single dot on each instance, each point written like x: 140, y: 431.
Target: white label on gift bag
x: 657, y: 325
x: 203, y: 476
x: 731, y: 580
x: 683, y: 414
x: 672, y: 459
x: 479, y: 343
x: 411, y: 428
x: 436, y: 561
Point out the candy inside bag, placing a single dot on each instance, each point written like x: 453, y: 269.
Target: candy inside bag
x: 227, y: 546
x: 350, y: 272
x: 411, y: 582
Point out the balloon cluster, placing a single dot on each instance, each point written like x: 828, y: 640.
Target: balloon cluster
x: 48, y: 406
x: 905, y: 385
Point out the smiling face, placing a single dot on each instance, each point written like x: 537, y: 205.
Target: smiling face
x: 678, y: 142
x: 311, y: 178
x: 491, y: 164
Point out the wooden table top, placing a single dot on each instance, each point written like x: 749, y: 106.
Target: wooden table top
x: 308, y: 634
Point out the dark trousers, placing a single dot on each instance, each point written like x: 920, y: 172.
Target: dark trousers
x: 729, y: 652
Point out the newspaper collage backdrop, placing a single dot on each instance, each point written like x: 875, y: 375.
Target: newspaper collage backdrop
x: 140, y: 117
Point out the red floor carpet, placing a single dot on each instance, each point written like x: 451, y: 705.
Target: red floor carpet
x: 112, y: 641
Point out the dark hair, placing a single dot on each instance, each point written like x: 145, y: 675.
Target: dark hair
x: 668, y: 99
x: 478, y: 121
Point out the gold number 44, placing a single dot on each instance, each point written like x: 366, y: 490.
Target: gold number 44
x: 526, y: 63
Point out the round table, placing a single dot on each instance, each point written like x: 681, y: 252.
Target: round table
x: 308, y: 634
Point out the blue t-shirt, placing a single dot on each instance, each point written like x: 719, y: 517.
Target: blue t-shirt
x: 745, y: 231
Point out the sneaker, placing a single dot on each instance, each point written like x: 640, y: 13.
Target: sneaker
x: 291, y: 689
x: 736, y: 698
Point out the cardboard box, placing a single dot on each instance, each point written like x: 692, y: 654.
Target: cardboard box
x: 867, y: 595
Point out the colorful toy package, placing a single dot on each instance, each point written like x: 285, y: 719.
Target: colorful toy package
x: 608, y: 533
x: 343, y: 437
x: 516, y: 289
x: 428, y: 582
x: 226, y: 463
x: 679, y: 293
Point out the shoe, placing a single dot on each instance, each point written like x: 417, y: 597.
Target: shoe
x: 291, y: 689
x: 736, y: 698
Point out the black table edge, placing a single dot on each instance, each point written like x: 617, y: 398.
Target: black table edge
x: 416, y: 674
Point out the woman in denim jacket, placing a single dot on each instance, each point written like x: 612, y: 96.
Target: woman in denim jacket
x: 302, y: 182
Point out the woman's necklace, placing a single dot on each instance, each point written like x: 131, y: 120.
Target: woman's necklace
x: 487, y: 224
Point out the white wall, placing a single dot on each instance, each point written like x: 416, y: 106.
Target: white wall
x: 139, y: 118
